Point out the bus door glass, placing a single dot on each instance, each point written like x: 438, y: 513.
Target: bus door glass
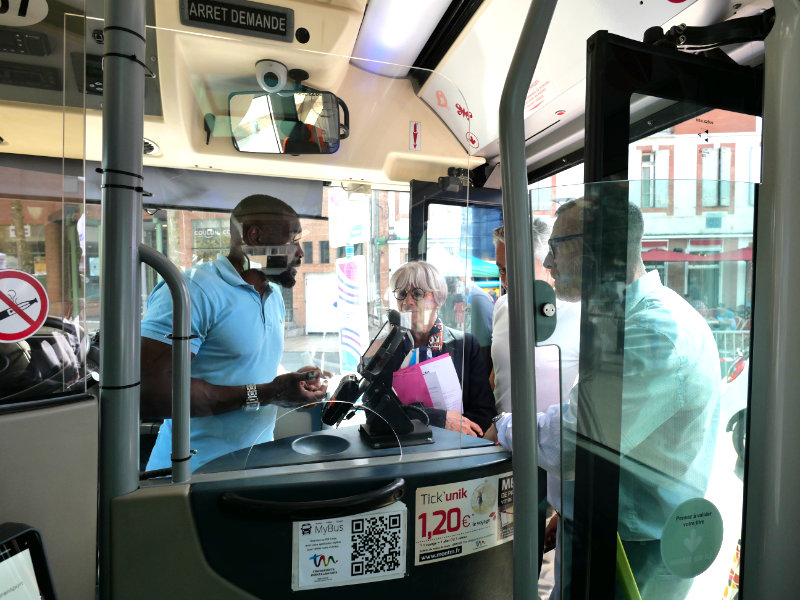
x: 653, y: 434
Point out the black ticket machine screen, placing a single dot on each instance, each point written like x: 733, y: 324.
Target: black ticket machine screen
x: 23, y: 569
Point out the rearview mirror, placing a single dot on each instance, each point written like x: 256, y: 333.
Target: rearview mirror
x: 287, y: 122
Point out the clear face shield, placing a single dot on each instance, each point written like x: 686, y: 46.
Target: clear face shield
x: 275, y: 246
x: 272, y: 261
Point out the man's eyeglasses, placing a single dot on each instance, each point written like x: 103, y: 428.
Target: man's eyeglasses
x: 417, y: 294
x: 553, y: 241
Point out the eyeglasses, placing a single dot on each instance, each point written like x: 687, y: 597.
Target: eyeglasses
x: 417, y: 294
x: 564, y: 238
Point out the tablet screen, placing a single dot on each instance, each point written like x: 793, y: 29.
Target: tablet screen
x: 23, y: 567
x: 17, y: 577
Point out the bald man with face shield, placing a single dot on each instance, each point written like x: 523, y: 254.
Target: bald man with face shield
x: 237, y: 320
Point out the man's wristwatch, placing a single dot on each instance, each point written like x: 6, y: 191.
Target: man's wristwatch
x: 497, y: 417
x: 251, y: 403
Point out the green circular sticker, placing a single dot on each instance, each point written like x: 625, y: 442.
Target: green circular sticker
x: 691, y: 538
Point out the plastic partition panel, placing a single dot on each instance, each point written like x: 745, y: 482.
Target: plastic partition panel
x: 339, y: 296
x: 617, y: 68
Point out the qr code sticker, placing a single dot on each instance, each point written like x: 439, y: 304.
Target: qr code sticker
x: 375, y: 543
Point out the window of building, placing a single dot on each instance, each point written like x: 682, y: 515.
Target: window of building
x: 715, y: 172
x: 754, y: 168
x: 541, y: 194
x: 655, y: 178
x: 288, y: 302
x: 324, y: 252
x: 308, y: 251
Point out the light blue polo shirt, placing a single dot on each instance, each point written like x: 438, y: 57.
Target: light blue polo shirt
x: 240, y: 341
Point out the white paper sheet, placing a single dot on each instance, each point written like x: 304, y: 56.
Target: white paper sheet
x: 442, y: 381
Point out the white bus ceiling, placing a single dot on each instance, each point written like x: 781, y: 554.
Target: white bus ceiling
x: 197, y: 67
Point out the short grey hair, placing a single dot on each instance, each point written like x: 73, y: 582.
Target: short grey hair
x: 541, y: 235
x: 499, y: 235
x: 423, y: 275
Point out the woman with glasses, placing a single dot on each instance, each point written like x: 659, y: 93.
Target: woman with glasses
x: 420, y: 290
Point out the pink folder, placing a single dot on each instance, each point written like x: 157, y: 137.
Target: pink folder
x: 409, y: 383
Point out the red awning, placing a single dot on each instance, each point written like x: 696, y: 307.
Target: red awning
x: 668, y: 256
x: 740, y: 254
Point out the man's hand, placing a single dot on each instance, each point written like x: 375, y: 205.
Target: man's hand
x: 491, y: 434
x: 455, y: 421
x: 550, y: 534
x: 316, y: 379
x: 301, y: 389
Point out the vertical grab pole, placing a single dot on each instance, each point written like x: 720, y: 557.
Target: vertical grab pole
x: 123, y: 124
x: 770, y: 541
x: 181, y: 359
x: 522, y: 333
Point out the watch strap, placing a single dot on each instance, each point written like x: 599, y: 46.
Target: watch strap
x: 497, y: 417
x: 251, y: 402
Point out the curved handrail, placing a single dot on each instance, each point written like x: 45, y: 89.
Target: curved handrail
x: 522, y: 332
x: 181, y: 358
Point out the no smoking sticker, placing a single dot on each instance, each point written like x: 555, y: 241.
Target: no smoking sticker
x: 23, y: 305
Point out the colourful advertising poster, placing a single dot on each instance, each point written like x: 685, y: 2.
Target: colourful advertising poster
x: 348, y: 217
x: 461, y: 518
x: 351, y: 282
x: 348, y: 550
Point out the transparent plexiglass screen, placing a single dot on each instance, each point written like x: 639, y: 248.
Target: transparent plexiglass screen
x: 355, y: 236
x: 44, y: 339
x: 660, y: 338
